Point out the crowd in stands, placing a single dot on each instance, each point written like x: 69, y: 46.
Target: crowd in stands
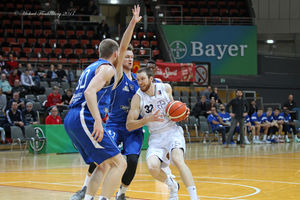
x: 19, y: 80
x: 271, y: 126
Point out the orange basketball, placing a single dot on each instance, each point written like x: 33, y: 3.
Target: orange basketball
x: 176, y: 111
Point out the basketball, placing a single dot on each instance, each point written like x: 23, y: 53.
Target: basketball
x: 176, y: 111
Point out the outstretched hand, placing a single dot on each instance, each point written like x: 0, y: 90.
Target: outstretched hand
x: 155, y: 117
x: 136, y: 13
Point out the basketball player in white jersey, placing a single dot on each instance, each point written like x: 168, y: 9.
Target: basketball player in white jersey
x: 166, y: 138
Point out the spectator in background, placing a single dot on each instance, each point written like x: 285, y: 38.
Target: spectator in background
x: 207, y: 92
x: 53, y: 118
x: 214, y: 94
x: 16, y: 98
x: 225, y: 116
x: 14, y: 116
x: 70, y: 75
x: 36, y: 79
x: 217, y: 124
x: 3, y: 134
x: 61, y: 74
x: 54, y: 98
x: 291, y: 104
x: 4, y: 85
x: 103, y: 29
x: 66, y: 98
x: 252, y: 108
x: 40, y: 72
x: 3, y: 103
x: 18, y: 88
x: 12, y: 64
x: 2, y: 63
x: 20, y: 69
x: 13, y: 76
x: 29, y: 85
x: 29, y: 115
x: 288, y: 125
x: 51, y: 74
x: 201, y: 108
x: 239, y: 112
x: 213, y: 103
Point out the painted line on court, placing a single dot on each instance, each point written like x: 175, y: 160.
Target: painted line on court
x: 255, y: 180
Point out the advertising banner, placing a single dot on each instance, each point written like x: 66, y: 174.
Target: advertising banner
x: 231, y: 50
x: 176, y: 72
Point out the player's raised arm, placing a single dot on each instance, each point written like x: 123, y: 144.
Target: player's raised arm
x: 126, y: 40
x: 133, y: 122
x: 103, y: 75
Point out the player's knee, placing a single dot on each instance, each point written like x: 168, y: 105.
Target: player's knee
x: 153, y: 169
x: 132, y: 160
x: 178, y: 162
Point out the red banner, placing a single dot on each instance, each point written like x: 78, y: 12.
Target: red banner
x: 177, y: 72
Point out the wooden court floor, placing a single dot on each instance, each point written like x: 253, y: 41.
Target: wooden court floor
x: 258, y: 172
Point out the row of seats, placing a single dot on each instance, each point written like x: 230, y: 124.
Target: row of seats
x: 210, y: 3
x: 222, y: 12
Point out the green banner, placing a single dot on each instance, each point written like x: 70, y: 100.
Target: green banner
x: 231, y: 50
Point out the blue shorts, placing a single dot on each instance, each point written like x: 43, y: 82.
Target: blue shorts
x: 132, y: 141
x: 79, y: 127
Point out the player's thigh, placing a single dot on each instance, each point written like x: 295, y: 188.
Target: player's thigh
x: 132, y: 142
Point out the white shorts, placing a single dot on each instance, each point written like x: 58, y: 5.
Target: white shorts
x: 162, y: 143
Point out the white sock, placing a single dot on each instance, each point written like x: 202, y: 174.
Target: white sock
x: 286, y: 136
x: 193, y: 192
x: 238, y: 138
x: 257, y: 138
x: 253, y: 138
x: 122, y: 190
x: 273, y: 136
x: 265, y: 137
x: 88, y: 197
x: 103, y: 198
x: 87, y: 179
x: 246, y: 139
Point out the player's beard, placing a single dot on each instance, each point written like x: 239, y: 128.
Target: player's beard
x: 146, y: 88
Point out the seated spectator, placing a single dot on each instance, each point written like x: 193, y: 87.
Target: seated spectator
x: 14, y: 116
x: 70, y: 75
x: 4, y: 85
x: 252, y: 108
x: 66, y: 98
x: 214, y: 94
x: 217, y: 124
x: 201, y: 108
x: 257, y: 120
x: 29, y: 85
x: 288, y: 125
x: 278, y: 119
x: 213, y: 103
x: 291, y: 104
x: 90, y: 9
x: 54, y: 98
x: 29, y: 115
x: 21, y: 69
x: 61, y: 73
x: 19, y: 88
x: 53, y: 118
x: 51, y: 74
x: 40, y: 72
x: 13, y: 76
x: 3, y: 103
x: 2, y: 63
x: 16, y: 98
x: 207, y: 92
x: 36, y: 79
x: 12, y: 64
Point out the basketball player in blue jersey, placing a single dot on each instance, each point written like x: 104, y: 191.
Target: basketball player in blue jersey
x: 83, y: 122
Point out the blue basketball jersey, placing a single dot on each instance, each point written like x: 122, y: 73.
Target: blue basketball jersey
x: 120, y: 100
x: 103, y: 96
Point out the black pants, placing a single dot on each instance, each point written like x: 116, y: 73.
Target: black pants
x: 232, y: 129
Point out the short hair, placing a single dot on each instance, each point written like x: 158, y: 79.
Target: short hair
x: 152, y: 62
x: 147, y: 70
x: 269, y: 109
x: 55, y: 88
x: 277, y: 109
x: 107, y: 47
x: 130, y: 47
x: 29, y: 103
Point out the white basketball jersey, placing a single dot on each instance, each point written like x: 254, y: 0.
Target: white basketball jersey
x: 158, y: 101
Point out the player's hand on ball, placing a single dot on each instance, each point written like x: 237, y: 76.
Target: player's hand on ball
x: 98, y: 131
x: 136, y: 13
x: 187, y: 114
x: 155, y: 116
